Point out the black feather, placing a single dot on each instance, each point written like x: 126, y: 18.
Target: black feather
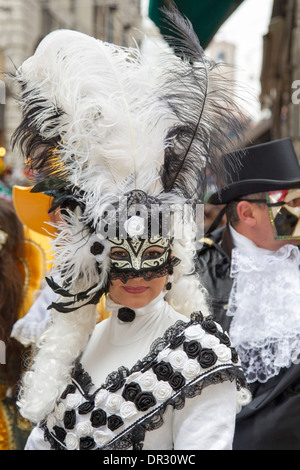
x: 68, y: 307
x: 209, y: 120
x: 50, y: 186
x: 40, y: 153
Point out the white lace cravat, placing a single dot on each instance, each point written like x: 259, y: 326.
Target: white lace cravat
x: 265, y: 305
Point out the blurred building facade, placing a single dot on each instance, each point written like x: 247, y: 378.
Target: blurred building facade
x: 223, y: 52
x: 25, y: 22
x: 280, y: 77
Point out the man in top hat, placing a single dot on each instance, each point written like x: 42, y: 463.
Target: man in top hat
x: 250, y: 268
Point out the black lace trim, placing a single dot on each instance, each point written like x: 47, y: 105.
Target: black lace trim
x: 133, y: 435
x: 147, y: 274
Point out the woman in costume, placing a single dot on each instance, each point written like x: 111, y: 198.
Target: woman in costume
x: 122, y: 148
x: 15, y: 296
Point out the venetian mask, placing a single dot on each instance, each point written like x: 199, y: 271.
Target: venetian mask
x: 284, y: 211
x: 135, y: 256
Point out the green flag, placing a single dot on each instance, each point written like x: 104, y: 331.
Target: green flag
x: 206, y: 16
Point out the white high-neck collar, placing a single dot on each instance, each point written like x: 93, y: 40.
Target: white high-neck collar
x: 155, y: 304
x: 115, y: 343
x: 245, y: 244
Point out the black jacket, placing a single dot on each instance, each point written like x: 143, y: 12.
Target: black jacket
x: 272, y: 420
x: 213, y: 265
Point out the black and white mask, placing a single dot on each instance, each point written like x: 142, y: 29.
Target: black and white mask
x: 140, y: 257
x: 284, y: 211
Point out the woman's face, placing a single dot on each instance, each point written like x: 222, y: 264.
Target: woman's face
x: 136, y: 292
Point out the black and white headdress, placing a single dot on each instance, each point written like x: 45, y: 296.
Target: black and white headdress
x: 101, y: 123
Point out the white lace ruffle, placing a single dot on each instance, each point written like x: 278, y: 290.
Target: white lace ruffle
x: 264, y: 303
x: 28, y: 329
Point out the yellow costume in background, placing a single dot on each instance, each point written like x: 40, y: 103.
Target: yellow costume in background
x: 14, y: 429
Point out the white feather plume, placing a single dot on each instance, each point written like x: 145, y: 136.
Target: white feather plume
x: 106, y: 102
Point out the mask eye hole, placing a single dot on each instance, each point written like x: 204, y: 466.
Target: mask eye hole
x: 153, y: 252
x: 294, y: 202
x: 119, y: 254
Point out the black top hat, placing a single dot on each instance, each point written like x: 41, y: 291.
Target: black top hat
x: 264, y: 167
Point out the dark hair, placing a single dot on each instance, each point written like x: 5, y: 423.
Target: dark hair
x: 11, y: 289
x: 231, y: 208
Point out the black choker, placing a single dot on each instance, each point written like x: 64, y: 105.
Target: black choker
x: 126, y: 314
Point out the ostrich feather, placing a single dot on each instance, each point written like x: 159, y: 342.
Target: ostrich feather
x: 87, y: 108
x: 101, y: 117
x: 209, y: 118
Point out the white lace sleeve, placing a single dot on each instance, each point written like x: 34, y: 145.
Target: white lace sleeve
x: 207, y: 421
x: 28, y: 329
x: 264, y: 304
x: 36, y: 440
